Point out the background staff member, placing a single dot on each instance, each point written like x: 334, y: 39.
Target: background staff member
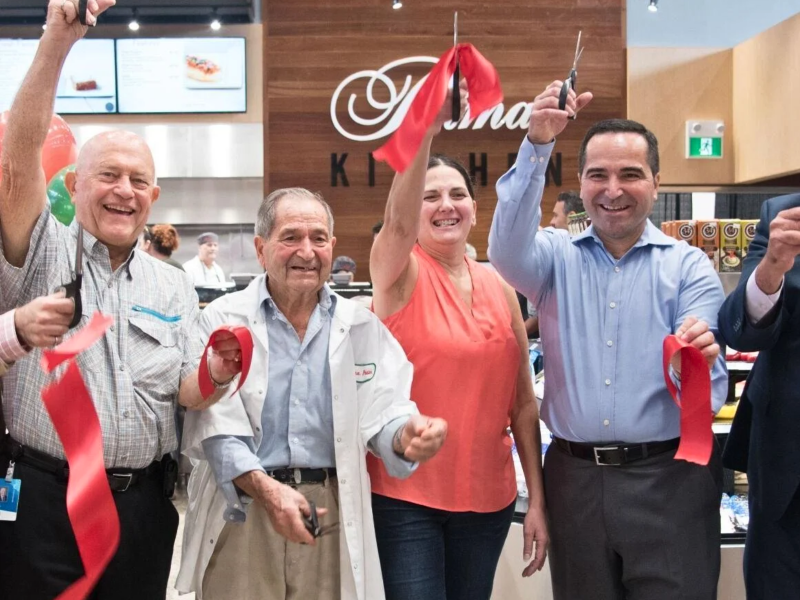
x: 203, y: 268
x: 763, y: 314
x: 646, y: 527
x: 135, y: 373
x: 567, y: 204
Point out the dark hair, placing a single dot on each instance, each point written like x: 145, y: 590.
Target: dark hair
x: 376, y: 229
x: 621, y: 126
x: 572, y: 202
x: 164, y: 238
x: 440, y: 160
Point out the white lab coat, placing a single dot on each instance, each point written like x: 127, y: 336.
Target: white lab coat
x: 201, y: 275
x: 363, y: 402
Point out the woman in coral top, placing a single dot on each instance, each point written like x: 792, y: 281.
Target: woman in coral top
x: 440, y: 532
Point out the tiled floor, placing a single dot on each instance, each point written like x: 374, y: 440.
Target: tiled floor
x: 180, y: 504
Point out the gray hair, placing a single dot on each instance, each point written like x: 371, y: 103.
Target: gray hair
x: 265, y: 222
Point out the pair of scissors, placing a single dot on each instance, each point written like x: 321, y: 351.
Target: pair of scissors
x: 456, y: 75
x: 571, y: 81
x: 73, y: 288
x: 312, y: 523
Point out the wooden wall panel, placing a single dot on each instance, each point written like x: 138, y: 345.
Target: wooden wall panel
x: 310, y: 46
x: 669, y: 86
x: 766, y: 85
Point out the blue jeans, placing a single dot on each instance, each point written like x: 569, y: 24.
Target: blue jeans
x: 430, y: 554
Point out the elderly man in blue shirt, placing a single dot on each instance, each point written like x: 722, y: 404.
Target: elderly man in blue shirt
x: 627, y: 521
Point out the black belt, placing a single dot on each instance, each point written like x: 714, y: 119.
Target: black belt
x: 119, y: 480
x: 616, y: 454
x: 296, y: 476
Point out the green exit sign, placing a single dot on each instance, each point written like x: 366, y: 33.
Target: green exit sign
x: 705, y: 147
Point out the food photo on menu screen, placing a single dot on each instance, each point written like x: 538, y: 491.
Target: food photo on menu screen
x: 87, y: 82
x: 165, y: 75
x: 88, y: 79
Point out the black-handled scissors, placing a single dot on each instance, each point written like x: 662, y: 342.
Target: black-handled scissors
x: 312, y: 523
x: 73, y: 288
x: 571, y: 81
x: 456, y: 75
x: 82, y: 10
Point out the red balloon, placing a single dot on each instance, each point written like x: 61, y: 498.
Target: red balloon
x: 60, y: 148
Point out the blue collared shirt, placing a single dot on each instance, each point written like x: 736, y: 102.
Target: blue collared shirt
x: 297, y: 418
x: 602, y: 320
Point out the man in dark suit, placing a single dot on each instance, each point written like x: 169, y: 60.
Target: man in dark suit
x: 763, y: 314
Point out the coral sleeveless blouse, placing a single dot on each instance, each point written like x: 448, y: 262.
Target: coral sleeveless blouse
x: 466, y: 364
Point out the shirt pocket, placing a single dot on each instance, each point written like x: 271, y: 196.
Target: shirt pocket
x: 155, y: 356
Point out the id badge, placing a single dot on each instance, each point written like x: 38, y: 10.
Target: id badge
x: 9, y: 499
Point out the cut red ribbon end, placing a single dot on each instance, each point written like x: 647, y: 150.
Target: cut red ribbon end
x: 245, y: 339
x: 485, y: 92
x: 697, y: 438
x: 90, y: 505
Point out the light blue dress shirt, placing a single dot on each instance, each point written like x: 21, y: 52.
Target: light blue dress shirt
x: 602, y: 321
x: 297, y: 418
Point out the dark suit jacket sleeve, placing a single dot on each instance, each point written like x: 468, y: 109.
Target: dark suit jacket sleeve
x: 734, y: 324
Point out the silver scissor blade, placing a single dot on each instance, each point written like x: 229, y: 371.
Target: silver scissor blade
x: 79, y: 253
x: 578, y: 50
x: 455, y: 29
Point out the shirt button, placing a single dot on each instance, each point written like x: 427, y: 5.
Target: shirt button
x: 260, y: 392
x: 609, y: 343
x: 349, y: 523
x: 617, y: 269
x: 110, y: 283
x: 336, y: 397
x: 342, y: 481
x: 299, y: 363
x: 613, y: 305
x: 608, y: 382
x: 122, y: 367
x: 126, y: 413
x: 355, y: 566
x: 338, y: 439
x: 533, y: 159
x: 541, y: 159
x: 606, y: 422
x: 296, y: 440
x: 296, y: 402
x: 235, y: 506
x: 111, y: 328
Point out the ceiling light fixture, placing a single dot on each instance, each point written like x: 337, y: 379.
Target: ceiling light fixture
x: 216, y: 25
x: 653, y: 6
x: 397, y: 4
x: 134, y: 24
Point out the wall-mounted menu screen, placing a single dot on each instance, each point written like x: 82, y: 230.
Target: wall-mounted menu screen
x: 181, y: 75
x: 88, y: 79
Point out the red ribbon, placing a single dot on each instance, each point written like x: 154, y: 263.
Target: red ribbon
x: 484, y: 92
x: 90, y: 505
x: 697, y: 439
x: 245, y: 339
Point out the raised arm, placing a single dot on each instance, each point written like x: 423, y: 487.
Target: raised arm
x: 22, y: 191
x: 391, y: 264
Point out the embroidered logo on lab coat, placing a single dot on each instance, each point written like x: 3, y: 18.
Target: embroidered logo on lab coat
x: 365, y: 372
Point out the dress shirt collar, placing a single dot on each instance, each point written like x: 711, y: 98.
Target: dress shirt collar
x: 651, y: 235
x: 94, y: 249
x: 327, y: 299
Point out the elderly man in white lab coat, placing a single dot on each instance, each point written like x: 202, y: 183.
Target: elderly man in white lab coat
x: 328, y: 382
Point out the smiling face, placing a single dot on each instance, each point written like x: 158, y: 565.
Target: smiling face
x: 618, y: 188
x: 113, y: 188
x: 298, y: 253
x: 448, y: 210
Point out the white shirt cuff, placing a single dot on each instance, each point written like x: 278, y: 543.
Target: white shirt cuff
x: 758, y: 303
x: 10, y: 348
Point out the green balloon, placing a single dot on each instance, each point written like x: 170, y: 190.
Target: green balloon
x: 60, y: 203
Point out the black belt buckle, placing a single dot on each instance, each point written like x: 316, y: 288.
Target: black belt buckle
x: 125, y: 478
x: 600, y: 459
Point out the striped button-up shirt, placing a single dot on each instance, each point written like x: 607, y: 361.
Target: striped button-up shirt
x: 134, y: 372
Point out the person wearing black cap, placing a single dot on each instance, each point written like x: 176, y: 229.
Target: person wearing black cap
x: 343, y: 270
x: 203, y: 267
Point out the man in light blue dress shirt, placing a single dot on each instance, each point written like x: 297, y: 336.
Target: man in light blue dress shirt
x: 328, y: 383
x: 627, y: 521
